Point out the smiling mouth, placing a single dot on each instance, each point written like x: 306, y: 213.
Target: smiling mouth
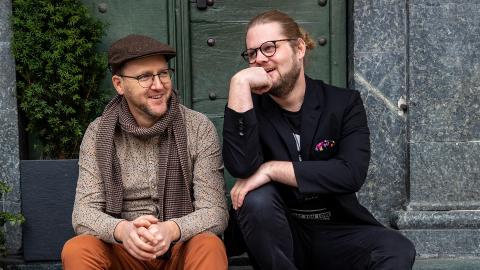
x: 156, y: 97
x: 268, y: 70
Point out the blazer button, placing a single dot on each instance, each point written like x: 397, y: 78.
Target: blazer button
x: 241, y: 127
x: 240, y: 130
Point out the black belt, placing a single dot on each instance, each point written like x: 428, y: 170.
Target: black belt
x: 322, y: 214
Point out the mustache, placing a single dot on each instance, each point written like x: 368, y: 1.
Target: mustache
x: 268, y: 68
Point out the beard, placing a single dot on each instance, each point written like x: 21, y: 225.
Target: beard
x: 155, y: 114
x: 284, y: 85
x: 136, y: 103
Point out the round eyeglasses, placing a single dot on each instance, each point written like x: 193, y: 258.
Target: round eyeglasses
x: 146, y: 80
x: 268, y: 48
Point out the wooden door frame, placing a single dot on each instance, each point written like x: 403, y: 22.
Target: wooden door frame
x: 179, y: 38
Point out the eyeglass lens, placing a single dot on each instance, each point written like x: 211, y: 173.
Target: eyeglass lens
x: 147, y: 80
x: 267, y: 48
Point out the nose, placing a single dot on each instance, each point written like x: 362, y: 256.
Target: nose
x: 260, y: 58
x: 157, y: 83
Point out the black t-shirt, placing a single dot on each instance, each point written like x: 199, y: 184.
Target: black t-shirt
x: 314, y: 207
x: 294, y: 121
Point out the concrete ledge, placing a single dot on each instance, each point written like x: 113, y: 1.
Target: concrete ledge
x: 448, y: 264
x: 454, y: 219
x: 442, y: 234
x: 445, y: 243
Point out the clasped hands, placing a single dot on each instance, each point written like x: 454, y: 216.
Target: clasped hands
x: 146, y: 238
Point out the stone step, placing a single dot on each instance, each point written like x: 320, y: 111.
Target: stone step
x: 420, y: 264
x: 442, y: 234
x: 424, y: 264
x: 447, y: 264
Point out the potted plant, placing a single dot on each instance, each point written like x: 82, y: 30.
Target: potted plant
x: 58, y: 73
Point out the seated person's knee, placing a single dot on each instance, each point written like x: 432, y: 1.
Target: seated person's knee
x: 208, y: 241
x: 78, y: 245
x: 261, y: 203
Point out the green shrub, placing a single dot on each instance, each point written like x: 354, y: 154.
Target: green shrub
x: 13, y: 219
x: 58, y: 72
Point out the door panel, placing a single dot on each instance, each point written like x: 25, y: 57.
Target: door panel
x: 212, y: 66
x: 243, y: 11
x: 145, y: 17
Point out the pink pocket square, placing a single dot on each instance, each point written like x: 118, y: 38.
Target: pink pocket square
x: 324, y: 145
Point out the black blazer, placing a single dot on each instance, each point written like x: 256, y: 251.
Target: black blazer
x: 335, y: 144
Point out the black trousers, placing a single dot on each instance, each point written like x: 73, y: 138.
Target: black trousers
x: 276, y: 241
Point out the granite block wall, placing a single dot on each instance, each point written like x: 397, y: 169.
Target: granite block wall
x: 425, y: 172
x: 378, y: 70
x: 445, y: 90
x: 444, y: 128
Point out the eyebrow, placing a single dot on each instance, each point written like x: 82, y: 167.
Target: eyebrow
x: 150, y: 72
x: 264, y: 42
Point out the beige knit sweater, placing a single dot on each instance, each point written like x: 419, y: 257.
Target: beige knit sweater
x: 138, y: 161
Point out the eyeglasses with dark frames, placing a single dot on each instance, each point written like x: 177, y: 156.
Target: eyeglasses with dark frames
x: 268, y: 48
x: 146, y: 80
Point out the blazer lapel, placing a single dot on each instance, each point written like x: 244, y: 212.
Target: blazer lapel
x: 311, y: 113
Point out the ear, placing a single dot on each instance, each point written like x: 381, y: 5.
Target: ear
x: 117, y: 82
x: 301, y: 48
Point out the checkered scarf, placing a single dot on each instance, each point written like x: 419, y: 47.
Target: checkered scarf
x: 174, y: 177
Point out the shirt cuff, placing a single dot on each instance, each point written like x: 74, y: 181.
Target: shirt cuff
x: 108, y: 234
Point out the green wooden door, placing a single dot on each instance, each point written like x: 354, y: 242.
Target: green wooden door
x: 209, y: 41
x: 217, y: 39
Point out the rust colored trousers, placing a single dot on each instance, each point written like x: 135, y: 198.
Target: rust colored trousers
x: 203, y: 251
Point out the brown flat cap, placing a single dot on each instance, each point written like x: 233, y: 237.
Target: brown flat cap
x: 136, y: 46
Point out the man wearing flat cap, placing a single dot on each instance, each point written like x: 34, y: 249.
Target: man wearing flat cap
x: 150, y: 191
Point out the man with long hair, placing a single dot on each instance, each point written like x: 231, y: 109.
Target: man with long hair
x: 300, y: 149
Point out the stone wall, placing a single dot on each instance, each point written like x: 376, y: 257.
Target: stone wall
x: 378, y: 70
x: 425, y: 172
x: 9, y: 153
